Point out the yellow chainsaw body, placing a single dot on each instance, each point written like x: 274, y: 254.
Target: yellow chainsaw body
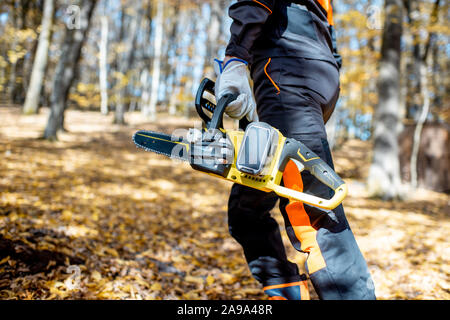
x: 271, y: 181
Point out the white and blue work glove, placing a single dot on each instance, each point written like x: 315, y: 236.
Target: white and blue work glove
x: 233, y: 77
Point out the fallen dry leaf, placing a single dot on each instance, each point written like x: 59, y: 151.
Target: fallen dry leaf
x: 92, y: 217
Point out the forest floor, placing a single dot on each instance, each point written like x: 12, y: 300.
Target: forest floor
x: 92, y: 217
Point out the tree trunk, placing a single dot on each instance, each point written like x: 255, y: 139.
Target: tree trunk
x: 17, y: 90
x: 331, y: 128
x: 182, y: 20
x: 149, y: 110
x: 13, y: 47
x: 126, y: 61
x: 384, y: 175
x: 170, y: 62
x: 65, y: 71
x: 420, y: 122
x: 214, y: 31
x: 40, y: 61
x: 103, y: 77
x: 422, y: 66
x: 145, y: 83
x: 35, y: 22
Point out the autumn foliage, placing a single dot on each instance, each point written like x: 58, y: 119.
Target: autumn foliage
x: 92, y: 217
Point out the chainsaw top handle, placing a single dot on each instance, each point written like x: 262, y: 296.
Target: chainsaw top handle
x: 201, y: 103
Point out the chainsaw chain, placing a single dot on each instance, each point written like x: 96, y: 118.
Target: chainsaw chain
x: 139, y: 146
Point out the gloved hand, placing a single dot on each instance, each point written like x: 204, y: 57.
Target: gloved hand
x: 233, y: 78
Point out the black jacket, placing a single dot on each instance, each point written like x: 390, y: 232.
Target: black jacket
x: 275, y: 28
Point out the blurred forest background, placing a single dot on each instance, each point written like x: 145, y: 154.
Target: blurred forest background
x: 85, y: 215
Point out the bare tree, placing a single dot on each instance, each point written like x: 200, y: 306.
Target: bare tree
x: 126, y: 60
x: 149, y: 109
x: 182, y: 20
x: 214, y: 31
x: 384, y: 174
x: 423, y: 66
x: 40, y: 61
x: 103, y: 76
x: 20, y: 19
x: 65, y: 71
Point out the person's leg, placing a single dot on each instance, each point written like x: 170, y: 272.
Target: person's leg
x: 294, y: 95
x: 258, y: 233
x: 335, y: 264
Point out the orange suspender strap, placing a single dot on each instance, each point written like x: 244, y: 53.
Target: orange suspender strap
x: 326, y: 4
x: 300, y: 222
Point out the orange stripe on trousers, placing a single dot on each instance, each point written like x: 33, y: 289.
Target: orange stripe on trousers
x: 304, y: 292
x: 300, y: 222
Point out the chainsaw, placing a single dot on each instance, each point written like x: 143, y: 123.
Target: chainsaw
x: 255, y: 155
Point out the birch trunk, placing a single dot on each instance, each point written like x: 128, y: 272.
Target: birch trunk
x: 40, y: 61
x: 103, y: 75
x: 384, y: 174
x: 145, y: 98
x: 422, y: 66
x: 213, y: 44
x: 420, y: 123
x: 149, y: 110
x: 182, y: 20
x: 170, y: 60
x: 126, y: 61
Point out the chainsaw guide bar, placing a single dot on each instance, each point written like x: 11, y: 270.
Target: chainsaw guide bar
x: 256, y: 157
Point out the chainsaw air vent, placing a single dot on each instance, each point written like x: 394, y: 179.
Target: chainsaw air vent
x: 253, y: 178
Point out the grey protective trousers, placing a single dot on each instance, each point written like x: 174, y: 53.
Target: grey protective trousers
x: 297, y: 96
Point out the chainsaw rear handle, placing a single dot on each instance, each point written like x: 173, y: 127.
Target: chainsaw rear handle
x: 297, y: 151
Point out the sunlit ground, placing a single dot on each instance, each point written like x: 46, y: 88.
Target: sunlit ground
x: 92, y: 217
